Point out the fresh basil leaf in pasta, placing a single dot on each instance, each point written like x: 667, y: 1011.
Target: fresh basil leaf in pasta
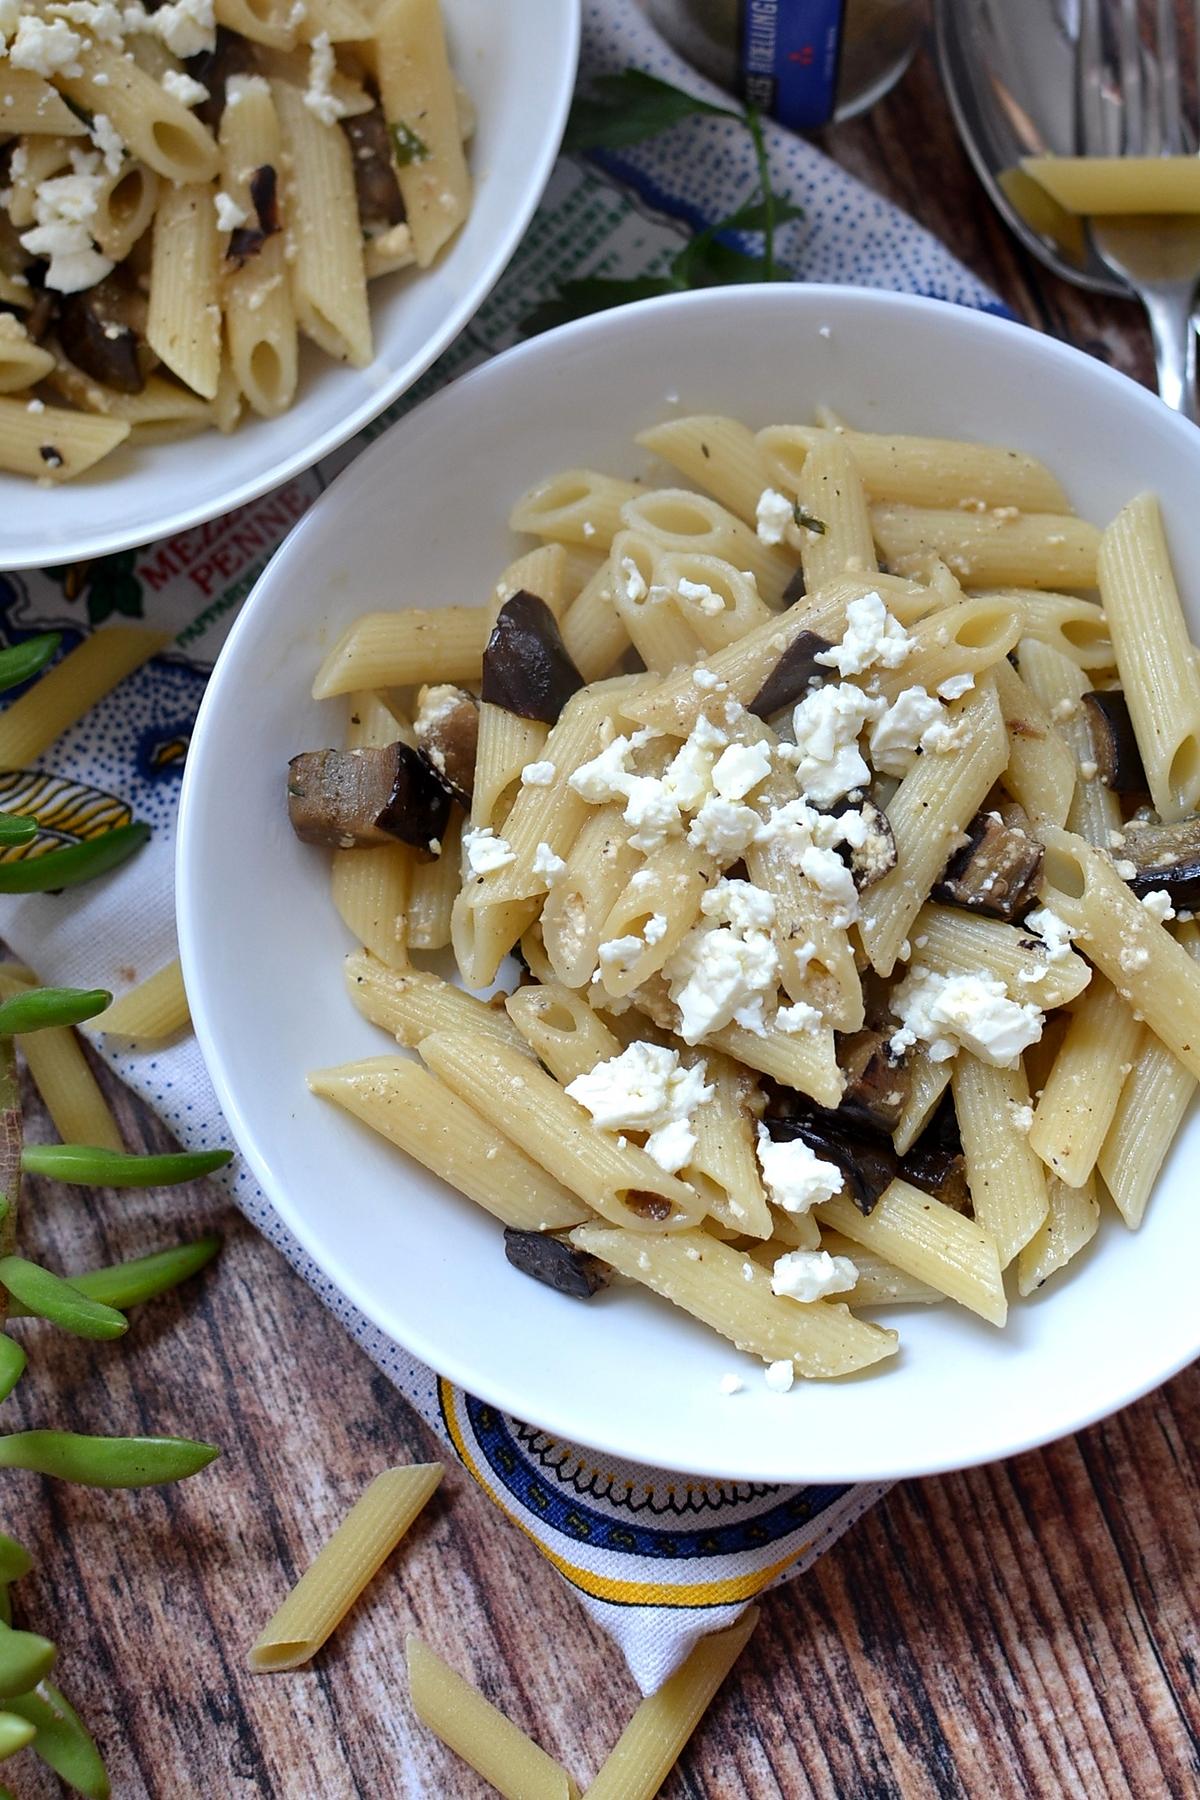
x: 407, y: 147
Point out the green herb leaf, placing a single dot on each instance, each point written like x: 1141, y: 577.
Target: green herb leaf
x: 805, y: 520
x: 74, y: 864
x: 43, y: 1009
x: 16, y: 828
x: 107, y: 1462
x: 757, y: 214
x: 21, y: 662
x: 15, y: 1734
x: 407, y: 147
x: 630, y: 106
x: 12, y: 1367
x: 129, y: 1284
x: 704, y: 262
x: 63, y: 1741
x: 86, y: 1165
x: 593, y: 294
x: 48, y: 1296
x: 25, y: 1659
x: 15, y: 1560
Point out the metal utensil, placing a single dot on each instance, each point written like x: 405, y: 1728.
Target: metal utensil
x: 1131, y: 104
x: 1074, y: 77
x: 1009, y: 74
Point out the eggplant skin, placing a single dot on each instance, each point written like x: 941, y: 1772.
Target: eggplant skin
x: 360, y: 799
x: 1163, y: 856
x: 527, y: 669
x: 1114, y: 742
x: 792, y: 675
x: 555, y: 1263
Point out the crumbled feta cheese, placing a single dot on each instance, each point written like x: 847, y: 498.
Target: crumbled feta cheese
x: 798, y: 1017
x: 618, y: 955
x: 1133, y: 957
x: 955, y: 686
x: 726, y: 968
x: 649, y: 806
x: 548, y: 865
x: 186, y: 27
x: 740, y: 769
x: 1021, y: 1114
x: 705, y: 678
x: 688, y: 776
x: 646, y: 1088
x: 731, y: 1384
x: 1054, y: 932
x: 826, y: 725
x: 808, y: 1275
x: 655, y: 928
x: 829, y: 874
x: 36, y: 406
x: 229, y: 214
x: 897, y: 736
x: 63, y: 208
x: 189, y: 92
x: 1089, y: 769
x: 108, y: 142
x: 46, y: 47
x: 701, y: 594
x: 538, y: 774
x: 632, y: 584
x: 780, y: 1376
x: 773, y: 514
x: 871, y: 637
x: 318, y: 95
x: 1158, y: 904
x: 971, y: 1012
x: 796, y: 1179
x: 1125, y: 869
x: 485, y: 852
x: 724, y: 828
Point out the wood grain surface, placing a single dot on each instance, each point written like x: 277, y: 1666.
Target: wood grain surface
x: 1026, y: 1629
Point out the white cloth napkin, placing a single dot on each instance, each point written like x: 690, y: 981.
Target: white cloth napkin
x: 659, y: 1559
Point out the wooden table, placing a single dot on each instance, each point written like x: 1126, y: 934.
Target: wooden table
x: 1024, y: 1629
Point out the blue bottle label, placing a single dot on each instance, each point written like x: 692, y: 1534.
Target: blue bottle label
x: 790, y: 51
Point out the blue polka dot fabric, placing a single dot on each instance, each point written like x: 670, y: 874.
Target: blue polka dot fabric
x: 659, y: 1559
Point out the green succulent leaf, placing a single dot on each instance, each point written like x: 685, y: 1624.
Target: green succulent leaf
x: 48, y: 1296
x: 15, y: 829
x: 21, y: 662
x: 63, y: 1741
x: 74, y: 864
x: 42, y: 1009
x: 107, y: 1462
x: 25, y: 1659
x: 12, y: 1367
x: 86, y: 1165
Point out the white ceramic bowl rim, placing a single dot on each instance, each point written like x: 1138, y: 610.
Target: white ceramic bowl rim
x: 556, y: 1415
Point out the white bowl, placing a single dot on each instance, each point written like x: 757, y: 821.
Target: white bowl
x: 519, y: 62
x: 421, y: 519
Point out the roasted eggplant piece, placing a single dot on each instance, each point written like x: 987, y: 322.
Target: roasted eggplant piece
x: 357, y: 799
x: 447, y: 728
x: 870, y: 859
x: 867, y: 1162
x: 99, y: 330
x: 230, y: 55
x: 796, y: 588
x: 877, y: 1083
x: 527, y: 669
x: 380, y: 202
x: 246, y: 241
x: 554, y: 1262
x: 939, y: 1172
x: 1164, y: 856
x: 1115, y: 745
x: 792, y: 675
x: 995, y: 872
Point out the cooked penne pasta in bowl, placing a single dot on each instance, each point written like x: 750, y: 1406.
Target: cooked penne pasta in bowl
x: 203, y: 213
x: 768, y: 906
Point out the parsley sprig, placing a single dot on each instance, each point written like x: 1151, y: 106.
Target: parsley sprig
x: 628, y: 108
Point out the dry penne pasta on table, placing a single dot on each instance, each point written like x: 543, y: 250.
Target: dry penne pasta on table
x: 831, y: 832
x: 187, y: 192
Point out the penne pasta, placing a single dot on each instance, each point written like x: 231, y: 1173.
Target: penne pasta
x: 1080, y: 1097
x: 71, y: 688
x: 718, y: 454
x: 416, y: 87
x: 354, y: 1554
x: 1007, y: 1182
x: 732, y: 1295
x: 654, y: 1739
x: 918, y: 471
x: 183, y: 324
x: 398, y: 649
x: 328, y: 278
x: 439, y: 1129
x: 1038, y: 550
x: 929, y: 1241
x: 54, y: 445
x: 478, y: 1732
x: 1071, y: 1223
x: 414, y: 1003
x: 154, y: 1010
